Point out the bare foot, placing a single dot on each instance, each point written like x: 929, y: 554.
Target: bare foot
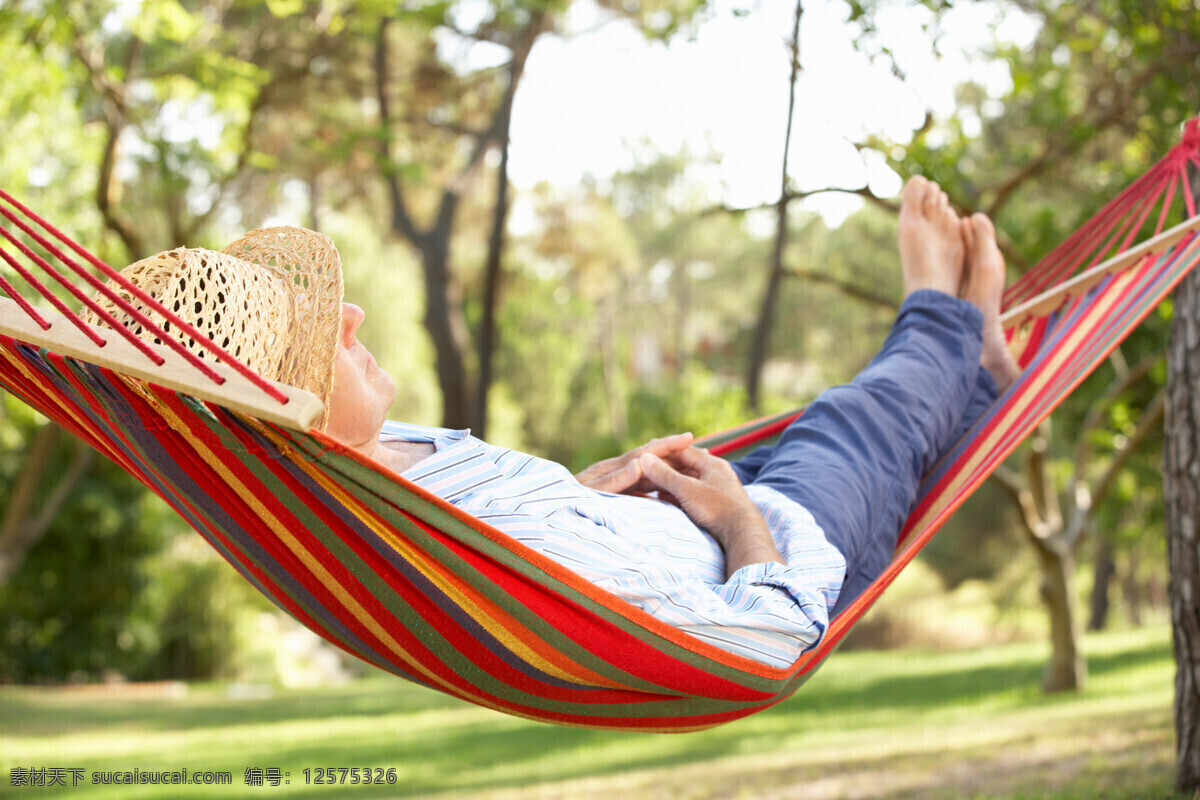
x: 983, y: 286
x: 931, y: 243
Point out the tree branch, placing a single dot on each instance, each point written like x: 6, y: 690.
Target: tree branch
x: 1043, y: 497
x: 116, y: 112
x: 1151, y: 418
x: 499, y: 124
x: 792, y: 195
x: 846, y: 288
x: 1126, y: 379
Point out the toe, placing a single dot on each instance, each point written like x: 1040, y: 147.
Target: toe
x: 933, y: 199
x: 914, y: 192
x: 984, y: 232
x: 967, y: 229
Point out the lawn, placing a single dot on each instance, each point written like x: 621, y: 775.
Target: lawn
x: 968, y: 724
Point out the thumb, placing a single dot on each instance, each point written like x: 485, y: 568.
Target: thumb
x: 660, y: 473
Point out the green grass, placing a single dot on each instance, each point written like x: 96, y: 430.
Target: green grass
x: 969, y: 724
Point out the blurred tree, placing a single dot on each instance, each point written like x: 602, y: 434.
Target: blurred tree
x: 474, y: 110
x: 166, y: 103
x: 25, y: 521
x: 45, y: 150
x: 648, y: 301
x: 182, y: 96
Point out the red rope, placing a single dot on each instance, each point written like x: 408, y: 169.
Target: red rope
x: 73, y: 289
x: 53, y: 298
x: 11, y: 291
x: 199, y: 364
x: 57, y: 234
x: 1113, y: 228
x: 1189, y: 199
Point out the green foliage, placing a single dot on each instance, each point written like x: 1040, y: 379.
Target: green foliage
x: 198, y: 624
x: 1098, y: 94
x: 73, y: 606
x: 661, y: 19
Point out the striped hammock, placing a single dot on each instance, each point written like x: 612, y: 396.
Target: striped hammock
x: 410, y: 584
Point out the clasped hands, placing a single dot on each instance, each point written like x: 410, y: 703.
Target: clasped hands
x: 703, y: 485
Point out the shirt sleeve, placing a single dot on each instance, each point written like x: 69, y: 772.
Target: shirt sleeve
x: 770, y: 612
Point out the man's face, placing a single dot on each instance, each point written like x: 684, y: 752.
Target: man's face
x: 362, y: 392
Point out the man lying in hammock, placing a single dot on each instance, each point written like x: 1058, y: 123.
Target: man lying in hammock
x: 754, y: 556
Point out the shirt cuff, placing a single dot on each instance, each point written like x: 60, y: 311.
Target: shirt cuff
x: 811, y: 600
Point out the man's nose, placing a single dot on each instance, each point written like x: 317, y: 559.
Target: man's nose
x: 352, y: 317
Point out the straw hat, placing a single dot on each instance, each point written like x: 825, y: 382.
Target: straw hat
x: 272, y: 300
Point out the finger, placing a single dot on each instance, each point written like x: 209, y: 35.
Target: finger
x: 601, y: 468
x: 695, y: 461
x: 666, y: 445
x: 662, y: 474
x: 619, y: 480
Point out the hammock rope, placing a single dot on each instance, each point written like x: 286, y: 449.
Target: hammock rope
x: 407, y: 582
x: 14, y: 214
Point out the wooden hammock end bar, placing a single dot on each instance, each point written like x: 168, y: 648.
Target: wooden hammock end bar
x: 1049, y: 300
x: 237, y: 393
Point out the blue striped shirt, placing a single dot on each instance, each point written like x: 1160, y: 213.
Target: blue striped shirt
x: 645, y: 551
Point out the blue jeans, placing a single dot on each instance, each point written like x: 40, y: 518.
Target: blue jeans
x: 856, y: 457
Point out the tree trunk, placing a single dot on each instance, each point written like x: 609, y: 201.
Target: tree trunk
x: 1181, y: 500
x: 1132, y: 591
x: 766, y: 309
x: 618, y: 419
x: 448, y: 329
x: 444, y: 317
x: 489, y: 334
x: 1067, y: 669
x: 1104, y: 572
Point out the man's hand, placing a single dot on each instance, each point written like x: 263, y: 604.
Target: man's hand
x: 623, y: 474
x: 709, y: 492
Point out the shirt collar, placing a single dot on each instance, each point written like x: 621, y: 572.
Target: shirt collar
x: 410, y: 432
